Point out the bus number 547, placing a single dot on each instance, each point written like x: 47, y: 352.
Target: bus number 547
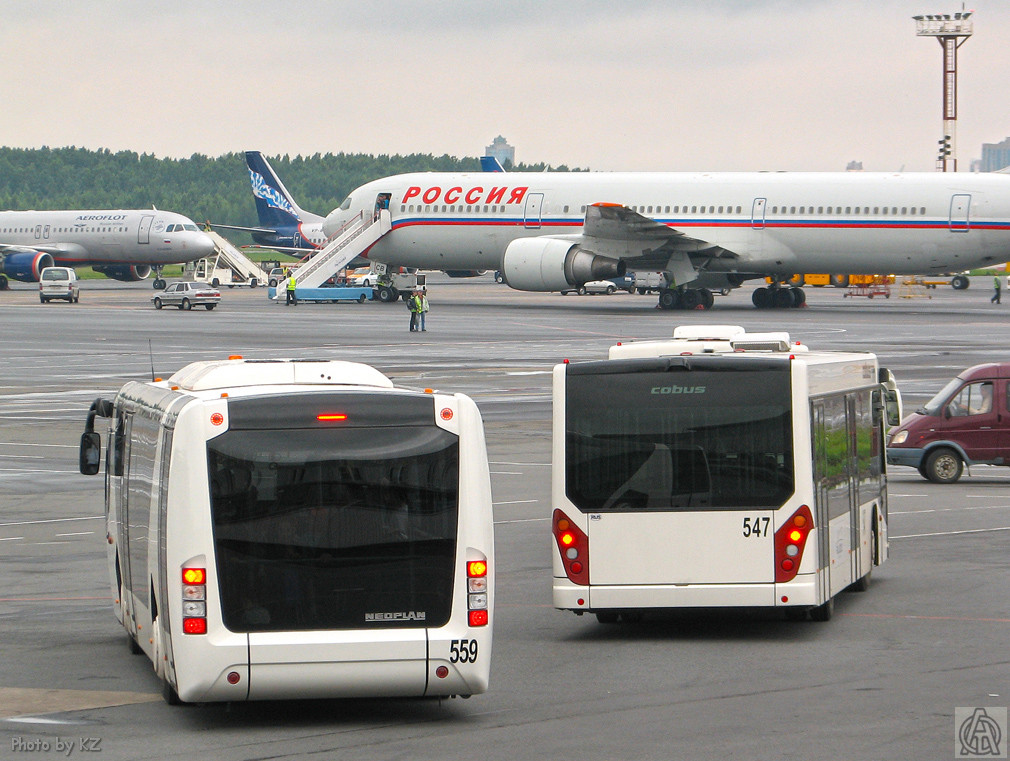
x: 756, y: 526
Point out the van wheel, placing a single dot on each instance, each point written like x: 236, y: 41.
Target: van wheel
x: 169, y: 694
x: 943, y: 466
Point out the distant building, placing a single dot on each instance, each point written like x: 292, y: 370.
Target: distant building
x: 854, y: 166
x: 995, y: 156
x: 501, y: 150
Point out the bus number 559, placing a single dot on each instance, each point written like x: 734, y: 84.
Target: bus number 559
x: 463, y: 651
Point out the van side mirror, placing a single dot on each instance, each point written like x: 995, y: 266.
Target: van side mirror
x: 91, y: 453
x: 892, y: 407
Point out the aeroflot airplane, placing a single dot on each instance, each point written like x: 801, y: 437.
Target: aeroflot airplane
x: 121, y: 244
x: 551, y: 231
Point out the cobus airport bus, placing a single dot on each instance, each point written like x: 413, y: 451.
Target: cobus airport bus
x: 718, y: 469
x: 298, y: 529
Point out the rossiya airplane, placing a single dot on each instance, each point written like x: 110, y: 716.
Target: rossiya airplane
x: 557, y: 230
x: 123, y: 244
x: 284, y: 225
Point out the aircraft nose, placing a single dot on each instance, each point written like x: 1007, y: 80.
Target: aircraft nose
x: 204, y: 244
x: 333, y: 222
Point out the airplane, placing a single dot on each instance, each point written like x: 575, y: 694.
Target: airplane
x: 551, y: 231
x: 284, y: 226
x: 123, y: 244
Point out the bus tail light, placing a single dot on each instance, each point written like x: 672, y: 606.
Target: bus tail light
x: 573, y: 545
x: 194, y: 600
x: 476, y: 592
x: 790, y: 540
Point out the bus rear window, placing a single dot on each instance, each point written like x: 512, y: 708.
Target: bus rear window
x: 678, y: 439
x: 334, y: 528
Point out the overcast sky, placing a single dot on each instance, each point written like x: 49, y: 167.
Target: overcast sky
x: 634, y: 85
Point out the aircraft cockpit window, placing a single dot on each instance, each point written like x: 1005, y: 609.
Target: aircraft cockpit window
x: 346, y: 204
x: 191, y: 228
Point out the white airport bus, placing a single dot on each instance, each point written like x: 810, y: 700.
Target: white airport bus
x: 298, y: 529
x: 718, y: 469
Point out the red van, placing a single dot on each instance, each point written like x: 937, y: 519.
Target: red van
x: 967, y: 422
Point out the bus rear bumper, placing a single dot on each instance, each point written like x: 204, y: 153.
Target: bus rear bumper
x: 567, y: 596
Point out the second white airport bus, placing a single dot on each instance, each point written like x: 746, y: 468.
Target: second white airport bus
x: 718, y: 469
x: 298, y: 529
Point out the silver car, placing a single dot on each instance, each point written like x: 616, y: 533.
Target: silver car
x: 188, y: 295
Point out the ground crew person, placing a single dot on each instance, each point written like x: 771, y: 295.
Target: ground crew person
x: 414, y: 305
x: 422, y: 307
x: 997, y: 282
x: 292, y: 299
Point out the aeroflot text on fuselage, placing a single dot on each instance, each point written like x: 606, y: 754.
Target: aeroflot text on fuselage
x: 100, y: 217
x: 474, y: 195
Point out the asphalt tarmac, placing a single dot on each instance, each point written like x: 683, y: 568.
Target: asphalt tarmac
x: 882, y: 680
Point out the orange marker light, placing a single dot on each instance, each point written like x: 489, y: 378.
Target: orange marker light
x: 567, y: 539
x: 476, y: 568
x: 331, y: 417
x: 194, y: 576
x: 795, y: 536
x: 800, y: 521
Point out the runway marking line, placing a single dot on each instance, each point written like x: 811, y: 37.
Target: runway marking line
x: 929, y: 618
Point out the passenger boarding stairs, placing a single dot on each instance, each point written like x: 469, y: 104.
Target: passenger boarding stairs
x: 352, y: 240
x: 230, y: 266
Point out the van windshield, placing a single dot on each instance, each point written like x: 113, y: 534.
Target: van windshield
x: 935, y: 405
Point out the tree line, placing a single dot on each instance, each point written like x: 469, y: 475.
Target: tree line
x: 201, y: 187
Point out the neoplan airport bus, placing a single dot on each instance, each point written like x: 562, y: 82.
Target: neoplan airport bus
x: 718, y: 469
x: 298, y: 529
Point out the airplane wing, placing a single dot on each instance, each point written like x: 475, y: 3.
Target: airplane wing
x: 615, y: 231
x: 265, y: 230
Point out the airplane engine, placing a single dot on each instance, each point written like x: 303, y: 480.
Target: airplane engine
x: 129, y: 273
x: 553, y: 264
x: 26, y: 266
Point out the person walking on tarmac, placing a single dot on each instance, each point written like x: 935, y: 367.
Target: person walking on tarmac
x: 997, y: 282
x: 291, y: 299
x: 422, y: 307
x: 414, y: 306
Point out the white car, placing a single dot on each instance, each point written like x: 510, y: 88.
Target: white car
x: 59, y: 283
x: 187, y: 295
x: 363, y: 277
x: 594, y: 287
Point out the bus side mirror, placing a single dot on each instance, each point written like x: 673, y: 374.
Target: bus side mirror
x: 892, y: 407
x: 91, y: 453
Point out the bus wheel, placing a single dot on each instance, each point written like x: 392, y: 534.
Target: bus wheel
x: 823, y: 612
x: 169, y: 694
x: 132, y: 643
x: 943, y: 466
x: 607, y: 616
x: 861, y: 585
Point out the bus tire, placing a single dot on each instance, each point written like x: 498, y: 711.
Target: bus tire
x: 169, y: 694
x: 823, y: 612
x: 131, y: 642
x: 861, y: 584
x: 943, y: 466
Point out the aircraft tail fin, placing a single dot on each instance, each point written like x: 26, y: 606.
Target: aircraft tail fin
x: 274, y: 205
x: 490, y: 164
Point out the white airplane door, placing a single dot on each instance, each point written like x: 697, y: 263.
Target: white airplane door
x: 757, y: 220
x: 960, y: 205
x: 144, y: 231
x: 534, y: 207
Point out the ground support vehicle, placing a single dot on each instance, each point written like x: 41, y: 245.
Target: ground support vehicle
x: 966, y: 423
x: 331, y: 294
x: 298, y: 529
x: 718, y: 469
x: 869, y: 286
x: 59, y: 283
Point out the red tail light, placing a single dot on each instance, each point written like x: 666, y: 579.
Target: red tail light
x: 476, y: 588
x: 194, y: 600
x: 573, y: 545
x: 790, y: 540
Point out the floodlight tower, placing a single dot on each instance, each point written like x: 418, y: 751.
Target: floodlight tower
x: 952, y: 32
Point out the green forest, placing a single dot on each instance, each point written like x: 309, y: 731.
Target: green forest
x: 201, y: 187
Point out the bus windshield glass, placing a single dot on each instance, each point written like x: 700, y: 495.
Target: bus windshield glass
x: 655, y: 440
x: 334, y: 528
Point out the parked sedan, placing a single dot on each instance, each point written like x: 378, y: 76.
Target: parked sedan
x: 593, y: 286
x: 187, y: 295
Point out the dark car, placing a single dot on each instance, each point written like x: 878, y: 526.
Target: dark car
x: 188, y: 295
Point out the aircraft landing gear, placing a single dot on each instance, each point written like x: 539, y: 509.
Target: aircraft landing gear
x: 777, y: 297
x: 159, y: 282
x: 686, y: 298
